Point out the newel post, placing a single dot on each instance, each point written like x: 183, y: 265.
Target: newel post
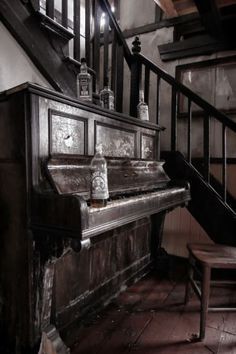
x: 135, y: 77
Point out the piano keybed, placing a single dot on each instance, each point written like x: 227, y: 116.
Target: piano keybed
x: 128, y: 209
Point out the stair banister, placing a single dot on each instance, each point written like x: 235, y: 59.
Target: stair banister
x: 209, y: 111
x: 187, y: 92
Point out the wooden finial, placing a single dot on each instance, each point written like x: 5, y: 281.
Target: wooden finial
x: 136, y: 46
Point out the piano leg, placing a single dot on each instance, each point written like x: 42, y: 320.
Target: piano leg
x: 51, y: 342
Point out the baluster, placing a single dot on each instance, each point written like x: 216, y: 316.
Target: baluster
x: 64, y: 13
x: 50, y: 8
x: 96, y: 42
x: 136, y: 74
x: 206, y: 147
x: 158, y: 117
x: 224, y: 158
x: 119, y: 78
x: 146, y: 84
x: 189, y: 149
x: 117, y: 72
x: 77, y: 29
x: 174, y: 110
x: 113, y: 62
x: 87, y: 31
x: 158, y: 100
x: 105, y: 50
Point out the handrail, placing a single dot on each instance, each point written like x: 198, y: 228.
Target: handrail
x: 211, y: 110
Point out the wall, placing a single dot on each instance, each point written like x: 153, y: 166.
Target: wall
x: 179, y: 229
x: 216, y: 171
x: 136, y: 13
x: 15, y: 65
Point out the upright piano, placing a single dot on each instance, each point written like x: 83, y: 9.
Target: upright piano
x: 47, y: 142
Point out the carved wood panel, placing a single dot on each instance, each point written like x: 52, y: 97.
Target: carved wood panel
x: 147, y: 146
x: 116, y: 142
x: 67, y: 133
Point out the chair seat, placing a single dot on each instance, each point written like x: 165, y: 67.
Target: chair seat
x: 208, y: 256
x: 214, y: 255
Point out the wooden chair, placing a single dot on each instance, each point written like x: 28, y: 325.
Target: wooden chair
x: 202, y: 258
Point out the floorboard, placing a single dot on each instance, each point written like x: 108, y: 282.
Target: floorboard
x: 151, y: 318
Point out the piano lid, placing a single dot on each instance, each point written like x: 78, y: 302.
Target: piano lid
x: 72, y: 175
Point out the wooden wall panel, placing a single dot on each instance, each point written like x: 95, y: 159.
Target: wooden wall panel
x: 216, y: 170
x: 179, y: 229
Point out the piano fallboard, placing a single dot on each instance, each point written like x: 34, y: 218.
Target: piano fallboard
x: 71, y: 175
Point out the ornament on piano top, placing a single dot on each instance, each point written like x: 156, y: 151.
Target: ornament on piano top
x: 99, y: 184
x: 84, y: 83
x: 107, y: 96
x: 142, y: 107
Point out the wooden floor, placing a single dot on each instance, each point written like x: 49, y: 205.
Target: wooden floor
x: 150, y: 317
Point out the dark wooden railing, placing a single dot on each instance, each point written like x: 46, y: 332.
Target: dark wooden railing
x: 214, y: 121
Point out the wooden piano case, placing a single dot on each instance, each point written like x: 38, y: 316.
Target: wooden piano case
x: 45, y: 276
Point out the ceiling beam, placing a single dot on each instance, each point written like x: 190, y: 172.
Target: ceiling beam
x: 184, y: 7
x: 199, y: 45
x: 210, y: 16
x: 168, y: 7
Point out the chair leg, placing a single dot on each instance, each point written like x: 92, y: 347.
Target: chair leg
x: 188, y: 283
x: 205, y: 293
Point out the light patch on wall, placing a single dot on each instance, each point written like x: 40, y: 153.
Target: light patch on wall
x: 135, y: 13
x: 15, y: 66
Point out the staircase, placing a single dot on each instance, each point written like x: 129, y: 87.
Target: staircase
x: 47, y: 42
x: 207, y: 206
